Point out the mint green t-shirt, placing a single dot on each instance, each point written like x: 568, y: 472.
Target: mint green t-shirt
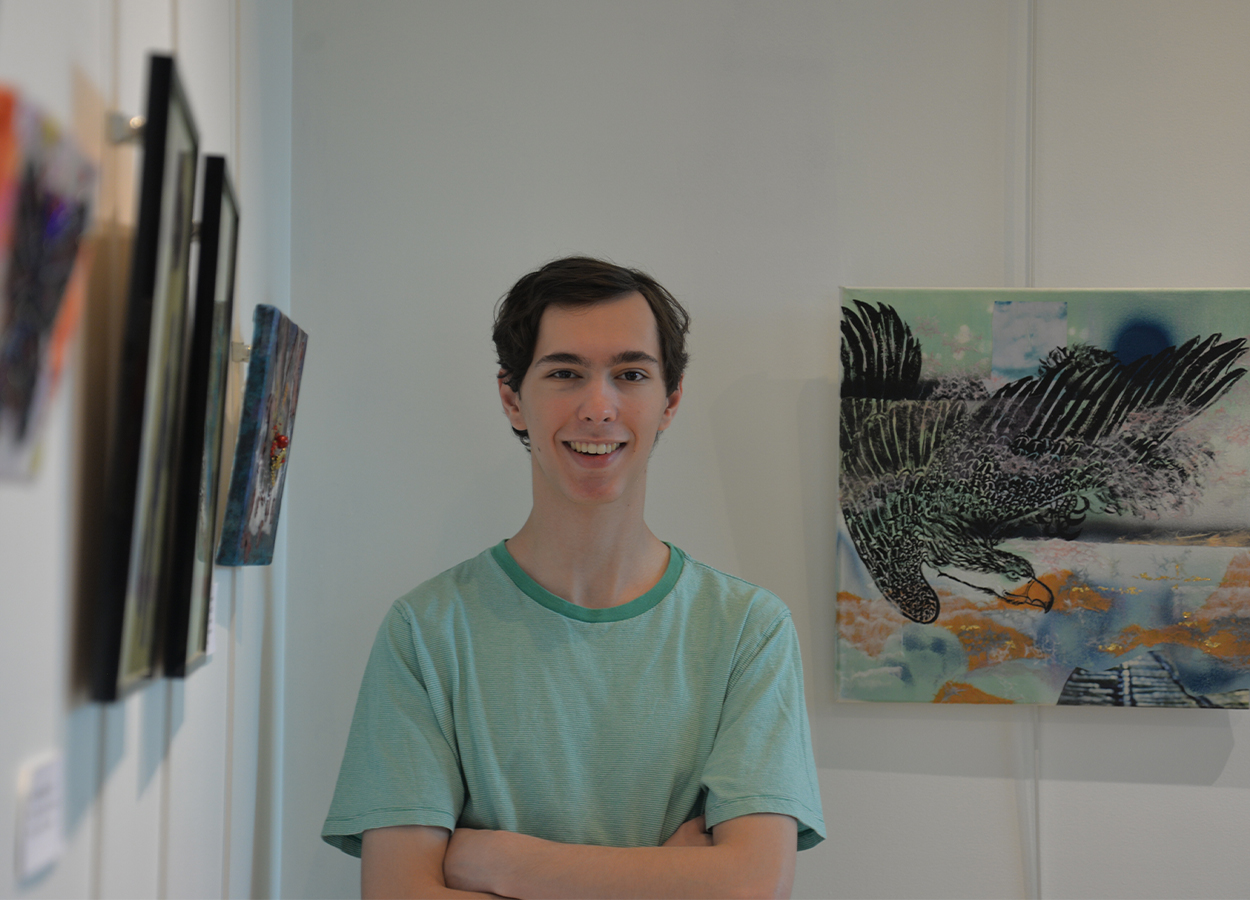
x: 489, y: 702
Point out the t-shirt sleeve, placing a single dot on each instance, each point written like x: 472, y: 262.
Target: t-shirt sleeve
x: 762, y: 759
x: 401, y: 766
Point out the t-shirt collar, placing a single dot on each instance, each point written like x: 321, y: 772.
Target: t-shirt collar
x: 635, y: 607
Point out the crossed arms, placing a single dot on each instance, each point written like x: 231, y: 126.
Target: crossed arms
x: 749, y: 856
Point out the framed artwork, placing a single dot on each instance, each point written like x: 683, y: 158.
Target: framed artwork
x: 266, y: 425
x: 148, y: 416
x: 197, y: 507
x: 45, y: 200
x: 1043, y: 497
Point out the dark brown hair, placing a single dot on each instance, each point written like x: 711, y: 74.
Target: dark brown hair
x: 582, y: 281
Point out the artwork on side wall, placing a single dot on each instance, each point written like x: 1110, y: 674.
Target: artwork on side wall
x: 1043, y: 497
x: 198, y: 504
x: 45, y: 200
x: 266, y: 425
x: 148, y: 416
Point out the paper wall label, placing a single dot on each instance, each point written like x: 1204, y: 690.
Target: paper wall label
x: 40, y: 814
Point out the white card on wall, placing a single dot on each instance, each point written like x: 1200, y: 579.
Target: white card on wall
x: 40, y: 814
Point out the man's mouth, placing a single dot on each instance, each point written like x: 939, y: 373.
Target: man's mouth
x: 592, y: 449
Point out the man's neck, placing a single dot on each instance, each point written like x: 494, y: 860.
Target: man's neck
x: 596, y: 558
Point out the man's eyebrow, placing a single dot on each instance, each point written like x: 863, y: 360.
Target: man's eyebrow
x: 634, y: 356
x: 572, y: 359
x: 567, y: 359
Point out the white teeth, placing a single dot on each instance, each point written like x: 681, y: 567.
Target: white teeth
x: 595, y: 449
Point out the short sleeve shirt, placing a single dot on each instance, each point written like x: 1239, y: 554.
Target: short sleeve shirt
x: 489, y: 702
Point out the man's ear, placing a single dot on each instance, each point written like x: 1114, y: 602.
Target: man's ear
x: 511, y: 404
x: 671, y: 410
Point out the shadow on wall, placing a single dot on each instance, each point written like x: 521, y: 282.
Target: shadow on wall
x: 777, y: 445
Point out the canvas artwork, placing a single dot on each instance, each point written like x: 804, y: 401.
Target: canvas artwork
x: 1043, y: 497
x: 45, y: 198
x: 265, y: 429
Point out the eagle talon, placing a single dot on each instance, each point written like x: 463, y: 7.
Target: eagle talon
x: 1026, y: 598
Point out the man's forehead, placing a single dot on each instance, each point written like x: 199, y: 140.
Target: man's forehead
x: 617, y: 325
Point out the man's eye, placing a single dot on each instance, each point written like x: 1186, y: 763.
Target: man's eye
x: 562, y: 374
x: 634, y: 375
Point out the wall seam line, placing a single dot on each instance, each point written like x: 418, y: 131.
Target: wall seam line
x: 228, y: 811
x: 1029, y: 141
x: 1020, y: 269
x: 1030, y: 202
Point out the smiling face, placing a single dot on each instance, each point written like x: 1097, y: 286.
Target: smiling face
x: 593, y: 401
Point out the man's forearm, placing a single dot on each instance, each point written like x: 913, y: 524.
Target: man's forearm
x: 531, y: 867
x: 757, y: 861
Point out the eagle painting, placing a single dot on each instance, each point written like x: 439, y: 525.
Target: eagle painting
x: 937, y: 473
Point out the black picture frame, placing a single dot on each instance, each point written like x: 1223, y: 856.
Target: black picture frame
x: 197, y: 513
x: 147, y: 417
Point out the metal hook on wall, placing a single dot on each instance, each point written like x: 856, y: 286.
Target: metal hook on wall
x: 123, y: 129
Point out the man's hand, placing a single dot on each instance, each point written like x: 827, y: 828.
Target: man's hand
x: 750, y: 856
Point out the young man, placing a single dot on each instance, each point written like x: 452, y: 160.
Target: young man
x: 569, y: 712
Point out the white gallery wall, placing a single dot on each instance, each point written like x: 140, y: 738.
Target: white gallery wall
x: 401, y: 162
x: 170, y: 792
x: 754, y: 157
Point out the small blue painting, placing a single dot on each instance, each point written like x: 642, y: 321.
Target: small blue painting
x: 266, y: 425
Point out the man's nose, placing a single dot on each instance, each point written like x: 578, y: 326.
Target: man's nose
x: 599, y: 402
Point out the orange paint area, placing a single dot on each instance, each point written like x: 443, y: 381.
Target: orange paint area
x: 867, y: 624
x: 960, y: 692
x: 1226, y: 638
x: 1071, y: 593
x: 1219, y: 628
x: 988, y: 643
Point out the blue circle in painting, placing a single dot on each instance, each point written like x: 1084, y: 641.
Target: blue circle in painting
x: 1141, y: 337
